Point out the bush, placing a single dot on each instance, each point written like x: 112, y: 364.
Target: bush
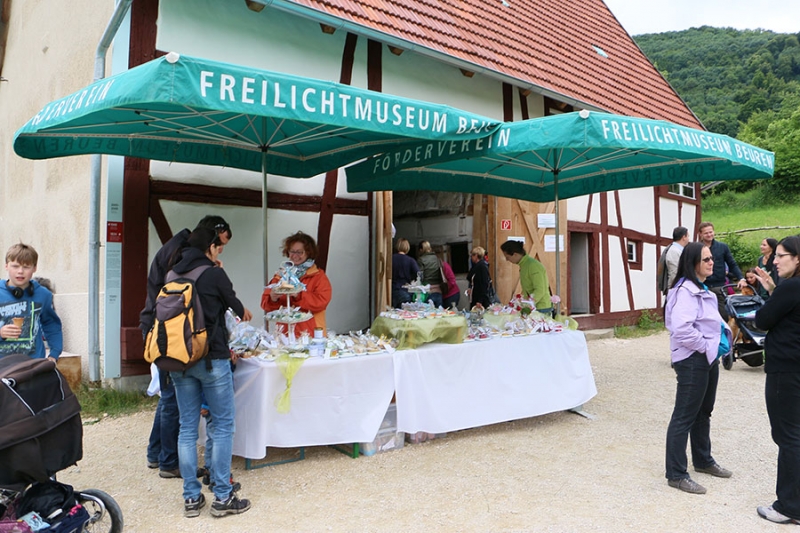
x: 745, y: 256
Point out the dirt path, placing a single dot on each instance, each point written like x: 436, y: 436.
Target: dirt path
x: 560, y: 472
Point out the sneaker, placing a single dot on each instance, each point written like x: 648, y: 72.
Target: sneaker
x: 772, y: 515
x: 235, y: 485
x: 192, y: 506
x: 152, y: 464
x: 169, y: 474
x: 233, y: 505
x: 687, y: 484
x: 715, y: 470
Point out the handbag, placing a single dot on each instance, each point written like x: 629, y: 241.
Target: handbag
x: 443, y: 285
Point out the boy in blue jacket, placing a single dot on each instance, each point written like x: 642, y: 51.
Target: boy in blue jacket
x: 27, y: 316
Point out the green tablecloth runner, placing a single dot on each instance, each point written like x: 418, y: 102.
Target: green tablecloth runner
x: 499, y: 321
x: 413, y: 333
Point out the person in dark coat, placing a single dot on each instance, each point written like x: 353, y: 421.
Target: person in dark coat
x: 780, y: 316
x: 210, y: 379
x: 479, y: 279
x: 162, y: 448
x: 404, y: 271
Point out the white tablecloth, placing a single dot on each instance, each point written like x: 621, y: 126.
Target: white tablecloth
x: 332, y: 402
x: 446, y: 387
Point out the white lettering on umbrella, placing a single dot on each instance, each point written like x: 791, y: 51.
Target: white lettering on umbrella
x: 363, y: 109
x: 247, y: 90
x: 344, y: 98
x: 226, y: 83
x: 629, y: 131
x: 327, y: 103
x: 306, y: 94
x: 277, y: 101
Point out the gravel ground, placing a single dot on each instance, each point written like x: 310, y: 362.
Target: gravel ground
x: 559, y: 472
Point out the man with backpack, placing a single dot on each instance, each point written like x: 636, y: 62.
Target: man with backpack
x: 162, y: 448
x: 210, y: 378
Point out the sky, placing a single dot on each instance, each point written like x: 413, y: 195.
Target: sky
x: 656, y: 16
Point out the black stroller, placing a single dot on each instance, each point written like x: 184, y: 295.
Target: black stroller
x: 748, y: 344
x: 40, y: 434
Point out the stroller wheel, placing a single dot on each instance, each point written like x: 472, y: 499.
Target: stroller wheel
x: 727, y: 361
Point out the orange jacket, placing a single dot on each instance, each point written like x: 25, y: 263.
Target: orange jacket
x: 314, y: 299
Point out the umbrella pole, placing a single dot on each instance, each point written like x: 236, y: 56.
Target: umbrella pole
x: 558, y: 248
x: 264, y: 227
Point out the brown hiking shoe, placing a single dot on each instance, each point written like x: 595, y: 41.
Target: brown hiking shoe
x: 687, y: 485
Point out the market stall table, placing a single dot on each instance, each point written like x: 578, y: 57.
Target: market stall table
x: 333, y: 401
x: 442, y: 388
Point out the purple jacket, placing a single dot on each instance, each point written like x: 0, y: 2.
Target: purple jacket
x: 692, y: 318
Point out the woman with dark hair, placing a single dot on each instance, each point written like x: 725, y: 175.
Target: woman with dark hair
x: 532, y: 275
x: 301, y: 249
x: 766, y: 260
x: 780, y: 316
x: 698, y: 337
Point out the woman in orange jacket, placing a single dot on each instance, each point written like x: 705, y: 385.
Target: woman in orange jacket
x: 301, y: 250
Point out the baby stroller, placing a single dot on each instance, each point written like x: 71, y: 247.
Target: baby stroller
x: 748, y: 344
x: 40, y: 434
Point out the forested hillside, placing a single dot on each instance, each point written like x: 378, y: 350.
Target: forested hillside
x: 745, y: 84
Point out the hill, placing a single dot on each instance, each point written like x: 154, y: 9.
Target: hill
x: 743, y: 83
x: 726, y: 75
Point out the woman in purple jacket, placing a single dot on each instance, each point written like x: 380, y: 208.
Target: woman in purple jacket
x: 698, y: 337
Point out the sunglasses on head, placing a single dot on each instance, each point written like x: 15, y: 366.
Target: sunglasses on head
x: 222, y: 228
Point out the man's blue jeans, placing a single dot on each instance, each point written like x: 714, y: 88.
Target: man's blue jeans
x: 163, y: 445
x: 217, y: 387
x: 694, y: 401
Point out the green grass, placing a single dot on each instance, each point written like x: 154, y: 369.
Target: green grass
x: 731, y: 211
x: 648, y: 324
x: 100, y: 402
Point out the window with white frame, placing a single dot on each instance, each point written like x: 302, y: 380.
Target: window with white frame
x: 633, y: 256
x: 682, y: 189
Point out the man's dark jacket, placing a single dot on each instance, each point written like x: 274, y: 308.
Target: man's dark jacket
x: 162, y: 263
x: 722, y: 256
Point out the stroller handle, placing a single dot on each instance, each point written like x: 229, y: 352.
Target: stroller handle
x: 735, y: 287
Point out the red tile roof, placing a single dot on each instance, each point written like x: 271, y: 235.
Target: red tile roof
x: 545, y: 43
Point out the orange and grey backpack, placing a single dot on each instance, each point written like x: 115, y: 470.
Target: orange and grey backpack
x: 178, y: 338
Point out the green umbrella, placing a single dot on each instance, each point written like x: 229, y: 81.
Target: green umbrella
x: 562, y: 156
x: 184, y: 109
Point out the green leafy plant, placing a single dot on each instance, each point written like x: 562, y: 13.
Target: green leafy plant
x: 99, y: 402
x: 649, y: 323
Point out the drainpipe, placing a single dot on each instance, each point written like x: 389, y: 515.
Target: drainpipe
x: 94, y: 203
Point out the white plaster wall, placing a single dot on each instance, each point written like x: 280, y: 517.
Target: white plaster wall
x: 612, y: 208
x: 439, y: 230
x: 228, y: 31
x: 669, y: 217
x: 619, y: 293
x: 637, y: 210
x: 595, y: 216
x: 44, y: 203
x: 576, y: 208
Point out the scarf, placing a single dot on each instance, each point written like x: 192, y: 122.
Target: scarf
x: 303, y: 267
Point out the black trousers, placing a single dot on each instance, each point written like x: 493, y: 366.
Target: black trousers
x: 782, y: 394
